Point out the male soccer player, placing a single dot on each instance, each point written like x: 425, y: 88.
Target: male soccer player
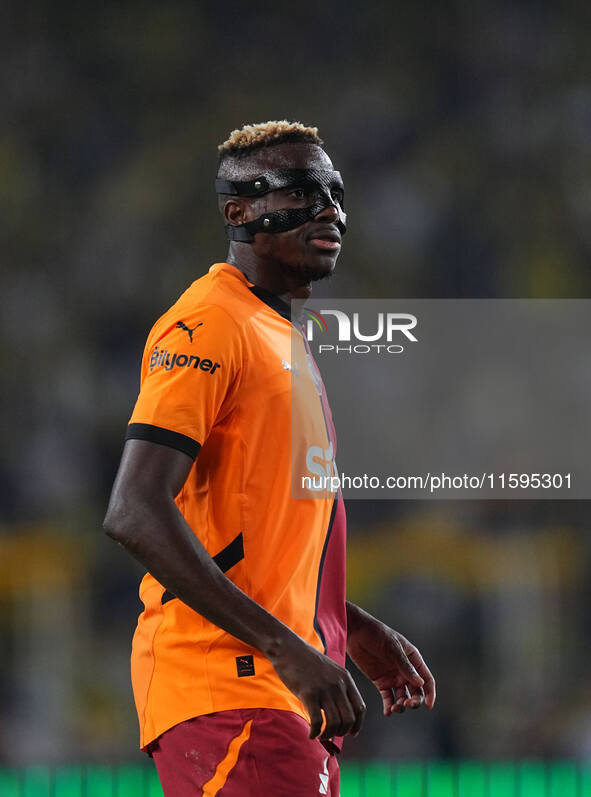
x: 238, y: 657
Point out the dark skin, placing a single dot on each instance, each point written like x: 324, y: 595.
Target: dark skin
x: 144, y: 518
x: 275, y: 261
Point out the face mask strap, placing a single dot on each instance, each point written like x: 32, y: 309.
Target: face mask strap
x: 280, y: 221
x: 283, y: 220
x: 275, y: 179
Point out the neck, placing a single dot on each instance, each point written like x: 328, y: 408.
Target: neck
x: 267, y: 274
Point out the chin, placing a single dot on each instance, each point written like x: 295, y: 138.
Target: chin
x: 310, y: 273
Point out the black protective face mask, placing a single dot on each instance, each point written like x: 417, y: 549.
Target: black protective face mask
x: 319, y: 184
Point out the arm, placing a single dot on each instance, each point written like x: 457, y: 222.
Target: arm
x: 143, y: 517
x: 389, y: 660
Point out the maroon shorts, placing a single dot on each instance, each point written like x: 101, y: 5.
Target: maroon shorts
x: 244, y: 753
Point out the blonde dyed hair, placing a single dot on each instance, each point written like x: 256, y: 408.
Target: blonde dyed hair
x: 244, y: 140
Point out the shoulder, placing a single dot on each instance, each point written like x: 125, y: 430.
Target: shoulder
x: 204, y: 309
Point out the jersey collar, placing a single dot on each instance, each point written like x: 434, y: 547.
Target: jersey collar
x: 270, y: 299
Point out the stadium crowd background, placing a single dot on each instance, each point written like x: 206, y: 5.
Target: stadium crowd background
x: 463, y: 132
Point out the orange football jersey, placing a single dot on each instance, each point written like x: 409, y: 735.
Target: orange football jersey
x: 227, y: 379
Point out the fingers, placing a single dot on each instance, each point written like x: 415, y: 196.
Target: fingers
x: 316, y: 720
x: 387, y: 701
x: 402, y: 695
x: 396, y: 701
x: 339, y: 718
x: 429, y: 687
x: 344, y: 710
x: 408, y: 660
x: 416, y: 698
x: 359, y: 708
x: 428, y: 681
x: 337, y: 711
x: 426, y: 675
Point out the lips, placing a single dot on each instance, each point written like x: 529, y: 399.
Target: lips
x: 320, y: 243
x: 326, y: 238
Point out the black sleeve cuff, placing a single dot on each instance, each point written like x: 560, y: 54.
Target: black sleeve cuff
x: 165, y: 437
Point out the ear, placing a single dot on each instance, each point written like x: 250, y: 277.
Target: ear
x: 235, y: 212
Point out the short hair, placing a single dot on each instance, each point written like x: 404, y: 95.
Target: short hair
x: 249, y: 138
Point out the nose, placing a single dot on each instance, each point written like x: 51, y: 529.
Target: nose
x: 329, y: 213
x: 333, y: 214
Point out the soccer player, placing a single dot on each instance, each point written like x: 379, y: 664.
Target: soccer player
x: 238, y: 659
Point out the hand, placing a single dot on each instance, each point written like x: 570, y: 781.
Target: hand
x: 393, y: 664
x: 323, y: 687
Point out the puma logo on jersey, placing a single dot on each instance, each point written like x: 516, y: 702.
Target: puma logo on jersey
x: 323, y: 789
x: 244, y: 666
x: 182, y: 325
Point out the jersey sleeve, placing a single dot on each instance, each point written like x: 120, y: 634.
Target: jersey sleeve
x: 190, y: 370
